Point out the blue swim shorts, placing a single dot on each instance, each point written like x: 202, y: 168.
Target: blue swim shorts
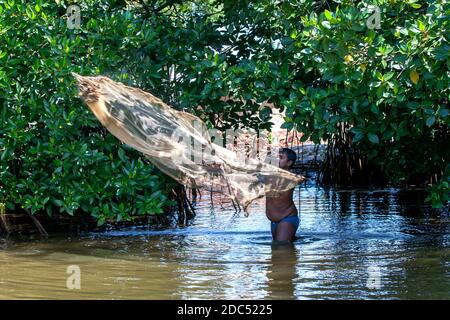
x: 294, y: 220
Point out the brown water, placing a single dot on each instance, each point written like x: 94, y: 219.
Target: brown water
x: 352, y: 244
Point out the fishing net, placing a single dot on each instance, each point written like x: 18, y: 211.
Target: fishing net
x: 181, y: 146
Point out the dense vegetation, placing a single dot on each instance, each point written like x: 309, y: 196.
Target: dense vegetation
x: 378, y: 96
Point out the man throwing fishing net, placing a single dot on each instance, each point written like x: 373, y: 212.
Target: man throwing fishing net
x: 164, y: 135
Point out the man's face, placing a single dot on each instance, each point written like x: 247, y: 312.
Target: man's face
x: 283, y: 161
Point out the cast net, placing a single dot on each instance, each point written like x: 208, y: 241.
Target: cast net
x: 180, y: 145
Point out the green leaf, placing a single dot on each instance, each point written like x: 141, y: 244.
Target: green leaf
x: 373, y: 138
x: 155, y: 194
x: 69, y: 211
x: 388, y: 75
x: 59, y: 203
x: 443, y: 52
x: 358, y: 134
x: 328, y: 15
x: 430, y: 121
x: 413, y: 105
x: 374, y: 108
x: 260, y: 84
x: 4, y: 153
x: 443, y: 112
x: 287, y: 125
x: 421, y: 25
x: 101, y: 222
x: 388, y: 134
x: 122, y: 155
x: 326, y: 24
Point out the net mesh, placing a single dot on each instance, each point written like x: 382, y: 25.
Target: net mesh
x: 180, y: 145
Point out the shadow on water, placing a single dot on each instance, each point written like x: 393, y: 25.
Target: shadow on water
x: 350, y: 244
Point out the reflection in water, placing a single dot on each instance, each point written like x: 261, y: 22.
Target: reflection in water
x: 344, y: 235
x: 282, y: 271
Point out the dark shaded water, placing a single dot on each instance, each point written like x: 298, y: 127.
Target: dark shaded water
x: 351, y: 244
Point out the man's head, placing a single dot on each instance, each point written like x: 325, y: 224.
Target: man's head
x: 287, y: 158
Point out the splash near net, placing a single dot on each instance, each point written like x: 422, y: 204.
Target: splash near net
x: 180, y: 145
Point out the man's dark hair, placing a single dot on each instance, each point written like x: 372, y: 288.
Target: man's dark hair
x: 290, y: 154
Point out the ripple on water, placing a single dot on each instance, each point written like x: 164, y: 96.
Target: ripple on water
x: 343, y: 236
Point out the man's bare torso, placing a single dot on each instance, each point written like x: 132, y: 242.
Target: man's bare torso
x: 280, y: 207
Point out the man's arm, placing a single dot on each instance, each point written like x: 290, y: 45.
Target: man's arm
x: 300, y: 178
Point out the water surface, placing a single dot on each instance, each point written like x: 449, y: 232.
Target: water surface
x: 351, y: 245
